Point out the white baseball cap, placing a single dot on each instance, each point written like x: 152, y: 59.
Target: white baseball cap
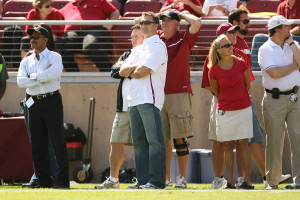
x: 277, y: 21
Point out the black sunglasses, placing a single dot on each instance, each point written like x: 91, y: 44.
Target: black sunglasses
x: 230, y: 32
x: 48, y: 6
x: 226, y: 45
x: 146, y: 22
x: 245, y: 21
x: 35, y: 37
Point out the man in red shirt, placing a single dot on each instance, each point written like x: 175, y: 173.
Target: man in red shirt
x: 91, y: 39
x: 176, y: 112
x: 240, y: 17
x: 193, y: 6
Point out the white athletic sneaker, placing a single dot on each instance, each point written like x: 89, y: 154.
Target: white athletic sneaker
x: 240, y: 181
x: 180, y: 182
x: 169, y: 183
x: 107, y: 184
x: 282, y: 179
x: 218, y: 183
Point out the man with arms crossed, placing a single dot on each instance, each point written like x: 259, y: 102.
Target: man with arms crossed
x: 145, y: 100
x: 279, y: 60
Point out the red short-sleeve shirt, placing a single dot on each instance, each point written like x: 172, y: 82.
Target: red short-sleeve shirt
x: 181, y: 7
x: 86, y: 10
x: 178, y: 70
x: 289, y: 12
x: 238, y: 53
x: 54, y: 15
x: 233, y: 94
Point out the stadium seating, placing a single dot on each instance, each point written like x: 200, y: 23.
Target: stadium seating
x: 141, y: 6
x: 263, y: 5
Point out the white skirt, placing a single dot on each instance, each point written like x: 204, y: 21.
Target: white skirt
x: 234, y: 125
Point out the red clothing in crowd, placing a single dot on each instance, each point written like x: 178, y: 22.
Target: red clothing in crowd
x: 178, y: 70
x: 238, y: 53
x: 233, y: 94
x: 86, y: 10
x: 181, y: 7
x: 241, y: 44
x: 54, y: 15
x: 289, y: 12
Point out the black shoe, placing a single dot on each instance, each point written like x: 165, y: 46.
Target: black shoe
x: 229, y: 186
x: 40, y: 186
x: 61, y: 186
x: 29, y: 185
x: 293, y: 186
x: 246, y: 186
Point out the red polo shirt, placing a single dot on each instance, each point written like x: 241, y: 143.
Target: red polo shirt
x: 181, y: 7
x: 289, y: 12
x: 241, y: 44
x: 86, y: 10
x: 54, y: 15
x: 178, y: 70
x: 238, y: 53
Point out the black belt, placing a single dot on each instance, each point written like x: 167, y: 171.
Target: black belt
x: 284, y: 93
x: 42, y: 96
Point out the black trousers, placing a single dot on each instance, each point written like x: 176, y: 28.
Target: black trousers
x: 94, y: 43
x: 46, y: 118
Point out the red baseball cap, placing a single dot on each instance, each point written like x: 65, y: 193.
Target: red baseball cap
x: 226, y: 27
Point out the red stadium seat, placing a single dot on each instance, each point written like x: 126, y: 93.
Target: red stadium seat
x: 115, y: 3
x: 263, y: 5
x: 141, y: 6
x: 17, y: 6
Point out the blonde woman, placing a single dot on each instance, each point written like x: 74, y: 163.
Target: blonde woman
x: 230, y: 81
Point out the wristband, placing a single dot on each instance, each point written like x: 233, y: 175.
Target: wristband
x: 292, y: 43
x: 171, y: 5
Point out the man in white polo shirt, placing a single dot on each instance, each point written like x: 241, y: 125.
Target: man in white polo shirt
x: 145, y: 100
x: 279, y: 60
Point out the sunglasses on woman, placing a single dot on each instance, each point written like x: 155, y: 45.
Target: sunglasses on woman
x: 226, y: 45
x: 48, y: 6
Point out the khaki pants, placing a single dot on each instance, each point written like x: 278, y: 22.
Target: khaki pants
x: 280, y: 114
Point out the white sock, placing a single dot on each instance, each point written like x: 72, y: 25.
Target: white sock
x: 113, y: 179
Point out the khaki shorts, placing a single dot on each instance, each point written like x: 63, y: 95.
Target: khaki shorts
x: 176, y: 116
x: 121, y: 132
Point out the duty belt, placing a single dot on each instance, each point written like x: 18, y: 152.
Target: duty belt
x: 294, y: 90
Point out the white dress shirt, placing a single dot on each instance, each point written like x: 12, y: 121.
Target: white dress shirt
x: 150, y: 89
x: 227, y: 4
x: 45, y: 74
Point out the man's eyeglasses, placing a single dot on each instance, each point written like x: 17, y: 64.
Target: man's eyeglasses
x: 245, y: 21
x: 35, y: 37
x: 226, y: 45
x: 146, y: 22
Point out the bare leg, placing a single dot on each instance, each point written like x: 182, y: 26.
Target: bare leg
x: 229, y: 158
x: 116, y: 158
x: 217, y: 158
x: 239, y: 162
x: 258, y: 155
x: 245, y: 158
x: 169, y: 158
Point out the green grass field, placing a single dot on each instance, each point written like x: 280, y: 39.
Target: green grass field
x: 194, y: 191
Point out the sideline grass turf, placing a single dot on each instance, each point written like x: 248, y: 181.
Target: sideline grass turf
x: 194, y: 191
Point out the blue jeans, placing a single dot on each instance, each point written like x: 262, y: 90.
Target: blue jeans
x: 149, y: 144
x: 258, y: 135
x: 258, y: 40
x: 53, y: 163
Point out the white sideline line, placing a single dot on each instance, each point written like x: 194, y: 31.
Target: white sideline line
x: 139, y: 190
